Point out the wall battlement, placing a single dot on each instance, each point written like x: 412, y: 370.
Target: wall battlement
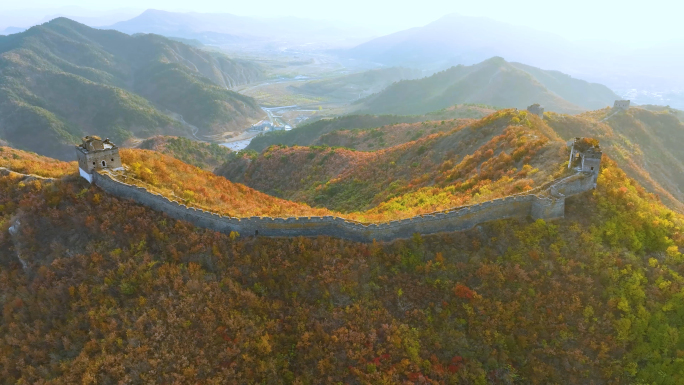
x: 545, y: 202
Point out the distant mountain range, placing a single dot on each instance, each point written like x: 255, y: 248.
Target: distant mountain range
x: 455, y: 39
x: 63, y: 79
x: 650, y: 75
x: 248, y: 32
x: 493, y: 82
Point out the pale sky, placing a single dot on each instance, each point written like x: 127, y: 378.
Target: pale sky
x: 627, y: 22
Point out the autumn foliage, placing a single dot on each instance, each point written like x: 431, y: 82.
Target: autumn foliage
x: 199, y: 188
x: 506, y: 153
x: 30, y: 163
x: 100, y: 290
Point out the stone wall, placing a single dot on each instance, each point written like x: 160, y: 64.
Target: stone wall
x: 534, y: 203
x: 24, y: 177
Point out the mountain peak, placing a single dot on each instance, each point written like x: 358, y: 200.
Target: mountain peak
x: 496, y: 60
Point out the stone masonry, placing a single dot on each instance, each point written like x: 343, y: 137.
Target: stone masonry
x: 96, y: 154
x: 547, y: 202
x: 621, y: 104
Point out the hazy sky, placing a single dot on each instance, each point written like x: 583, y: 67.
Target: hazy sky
x: 625, y: 21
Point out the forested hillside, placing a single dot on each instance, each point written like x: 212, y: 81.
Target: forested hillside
x: 99, y: 290
x: 505, y: 153
x: 62, y: 79
x: 642, y: 140
x: 494, y: 82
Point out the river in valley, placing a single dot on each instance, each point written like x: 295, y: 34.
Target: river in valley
x: 274, y: 122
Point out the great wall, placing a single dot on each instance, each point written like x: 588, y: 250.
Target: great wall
x: 544, y: 202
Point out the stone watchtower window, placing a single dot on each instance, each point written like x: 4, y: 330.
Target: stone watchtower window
x: 104, y: 164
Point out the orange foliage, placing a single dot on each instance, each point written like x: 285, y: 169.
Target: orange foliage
x: 30, y: 163
x: 199, y: 188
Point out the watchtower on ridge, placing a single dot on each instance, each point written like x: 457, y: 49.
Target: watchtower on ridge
x: 536, y: 109
x: 621, y: 105
x: 585, y: 155
x: 96, y: 154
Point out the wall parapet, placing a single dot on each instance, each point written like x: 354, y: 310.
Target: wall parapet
x: 4, y: 171
x: 544, y: 202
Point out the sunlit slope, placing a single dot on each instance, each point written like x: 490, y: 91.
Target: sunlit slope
x: 62, y: 80
x: 644, y: 143
x: 195, y: 187
x: 88, y: 279
x: 505, y: 153
x: 31, y: 163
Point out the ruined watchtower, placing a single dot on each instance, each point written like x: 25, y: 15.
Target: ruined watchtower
x: 536, y: 109
x: 95, y: 154
x: 585, y: 156
x: 621, y: 105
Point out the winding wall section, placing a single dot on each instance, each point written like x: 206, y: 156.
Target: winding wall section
x: 546, y: 202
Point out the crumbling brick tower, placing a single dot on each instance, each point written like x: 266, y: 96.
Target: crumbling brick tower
x: 536, y: 109
x: 96, y: 154
x: 585, y: 156
x: 621, y: 105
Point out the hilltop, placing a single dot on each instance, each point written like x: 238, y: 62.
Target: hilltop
x: 505, y: 153
x: 493, y: 82
x: 31, y: 163
x: 63, y: 79
x: 643, y: 142
x: 87, y: 278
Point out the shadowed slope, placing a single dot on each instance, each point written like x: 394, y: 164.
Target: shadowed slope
x: 203, y: 155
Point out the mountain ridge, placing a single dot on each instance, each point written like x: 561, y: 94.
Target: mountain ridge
x: 494, y: 82
x: 115, y: 85
x: 241, y: 31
